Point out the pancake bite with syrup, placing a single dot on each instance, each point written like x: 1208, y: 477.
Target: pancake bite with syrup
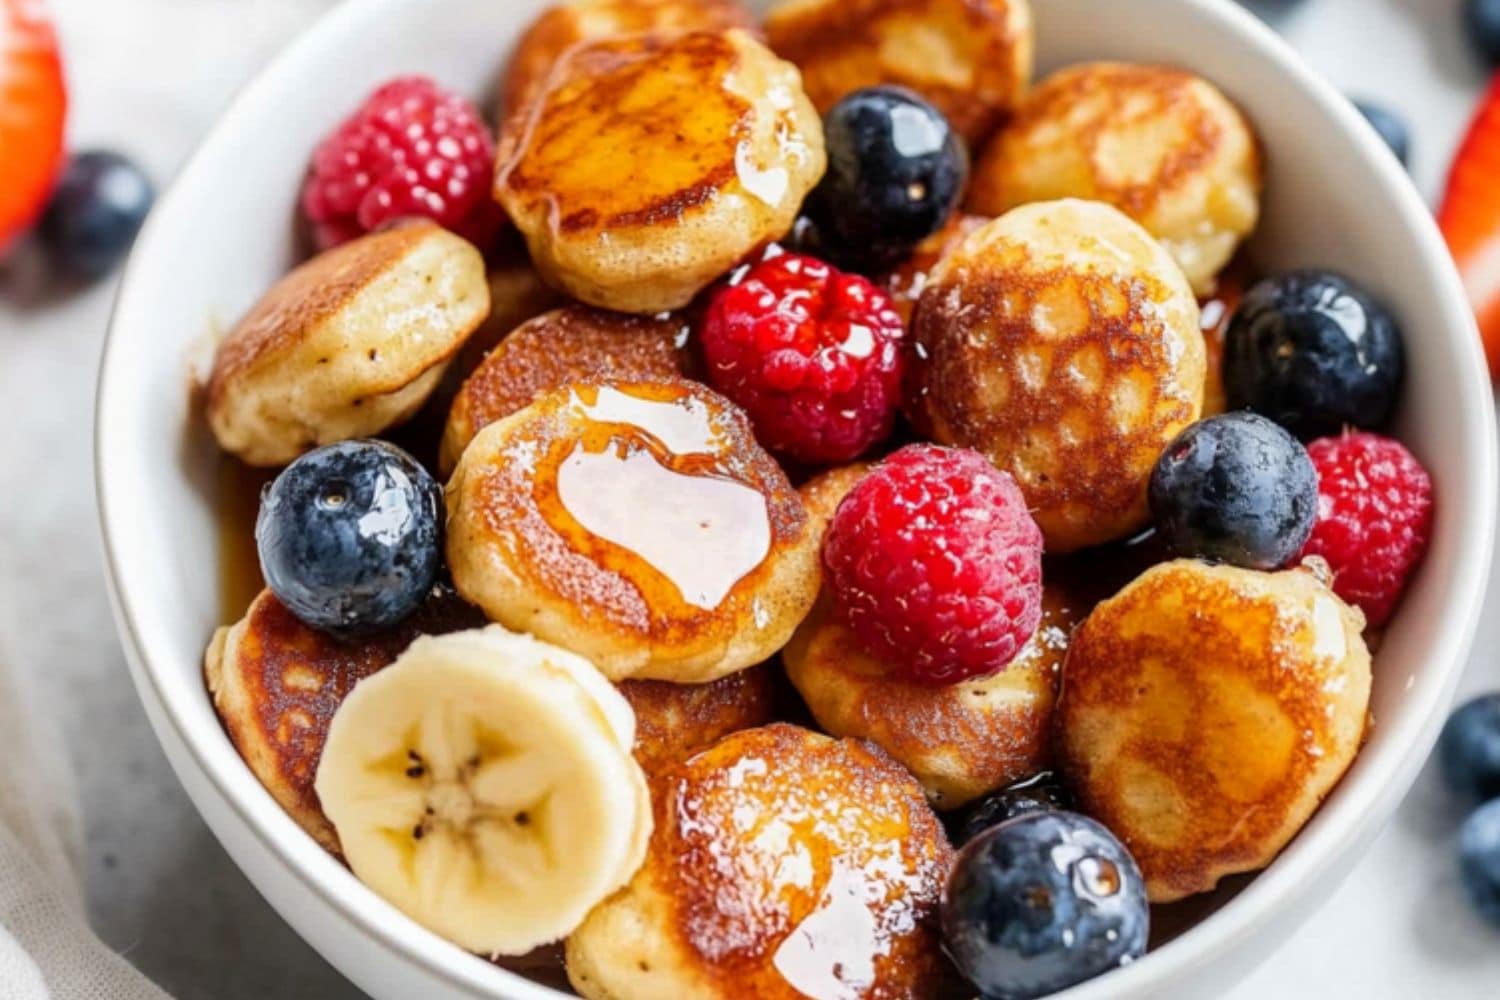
x: 567, y: 25
x: 970, y: 58
x: 1063, y: 343
x: 648, y: 166
x: 347, y: 345
x: 960, y: 741
x: 1164, y: 146
x: 558, y: 347
x: 1206, y: 712
x: 783, y: 864
x: 277, y: 682
x: 637, y: 524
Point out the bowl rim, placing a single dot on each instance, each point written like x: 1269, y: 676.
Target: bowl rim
x: 1245, y: 916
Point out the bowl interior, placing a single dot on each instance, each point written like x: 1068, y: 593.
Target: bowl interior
x: 224, y: 233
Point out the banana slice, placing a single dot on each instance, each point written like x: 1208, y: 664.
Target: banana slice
x: 483, y: 784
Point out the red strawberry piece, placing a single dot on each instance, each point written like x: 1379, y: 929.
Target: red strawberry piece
x: 1470, y: 219
x: 33, y: 110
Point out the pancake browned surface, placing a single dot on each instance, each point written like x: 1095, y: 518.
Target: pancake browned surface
x: 1162, y: 145
x: 783, y: 864
x: 960, y: 741
x: 277, y: 682
x: 562, y: 27
x: 971, y: 58
x: 649, y: 166
x: 517, y: 294
x: 675, y: 721
x: 638, y: 524
x: 566, y: 345
x: 1062, y: 342
x: 1206, y: 712
x: 347, y: 345
x: 907, y: 282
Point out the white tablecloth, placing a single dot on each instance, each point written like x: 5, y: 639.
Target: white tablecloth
x: 147, y: 77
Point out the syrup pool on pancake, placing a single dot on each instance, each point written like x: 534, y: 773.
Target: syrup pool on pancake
x: 637, y: 523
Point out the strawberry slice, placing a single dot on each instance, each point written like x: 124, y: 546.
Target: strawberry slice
x: 1470, y: 219
x: 33, y: 107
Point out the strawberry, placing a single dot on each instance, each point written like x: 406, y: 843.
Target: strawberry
x: 1470, y: 219
x: 33, y: 106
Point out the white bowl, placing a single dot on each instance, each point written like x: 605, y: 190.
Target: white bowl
x: 223, y: 233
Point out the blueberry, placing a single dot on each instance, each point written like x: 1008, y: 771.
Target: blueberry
x: 97, y: 208
x: 1235, y: 488
x: 1482, y: 21
x: 1039, y: 793
x: 1390, y: 127
x: 895, y: 172
x: 1469, y: 750
x: 350, y: 536
x: 1479, y: 859
x: 1042, y: 903
x: 1314, y: 352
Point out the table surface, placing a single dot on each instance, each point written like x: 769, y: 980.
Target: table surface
x: 148, y: 77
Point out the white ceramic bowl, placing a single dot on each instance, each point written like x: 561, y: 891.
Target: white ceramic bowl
x: 223, y: 233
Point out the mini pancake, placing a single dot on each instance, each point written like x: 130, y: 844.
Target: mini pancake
x: 961, y: 741
x: 637, y: 524
x: 1062, y: 342
x: 566, y: 25
x: 906, y: 283
x: 649, y: 165
x: 783, y: 864
x: 347, y: 345
x: 1162, y: 145
x: 1206, y: 712
x: 970, y: 58
x: 565, y: 345
x: 675, y: 721
x: 277, y: 682
x: 517, y: 294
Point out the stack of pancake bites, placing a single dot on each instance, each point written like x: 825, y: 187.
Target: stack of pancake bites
x: 892, y: 537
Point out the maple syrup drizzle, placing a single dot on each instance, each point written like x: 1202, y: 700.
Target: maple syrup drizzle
x: 642, y: 486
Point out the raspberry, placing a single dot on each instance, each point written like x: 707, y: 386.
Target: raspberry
x: 935, y: 564
x: 1374, y: 518
x: 412, y: 148
x: 812, y: 354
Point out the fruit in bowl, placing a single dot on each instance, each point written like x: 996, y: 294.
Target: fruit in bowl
x: 927, y: 525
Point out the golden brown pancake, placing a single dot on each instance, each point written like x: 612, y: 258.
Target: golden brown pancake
x: 277, y: 682
x: 637, y: 524
x: 565, y: 345
x: 651, y: 165
x: 971, y: 58
x: 1062, y: 342
x: 960, y: 741
x: 1162, y: 145
x: 346, y: 345
x: 517, y: 294
x: 675, y: 721
x: 564, y: 26
x: 906, y: 284
x: 1206, y: 712
x: 783, y: 864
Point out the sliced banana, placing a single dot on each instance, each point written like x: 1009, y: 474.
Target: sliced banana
x: 483, y: 784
